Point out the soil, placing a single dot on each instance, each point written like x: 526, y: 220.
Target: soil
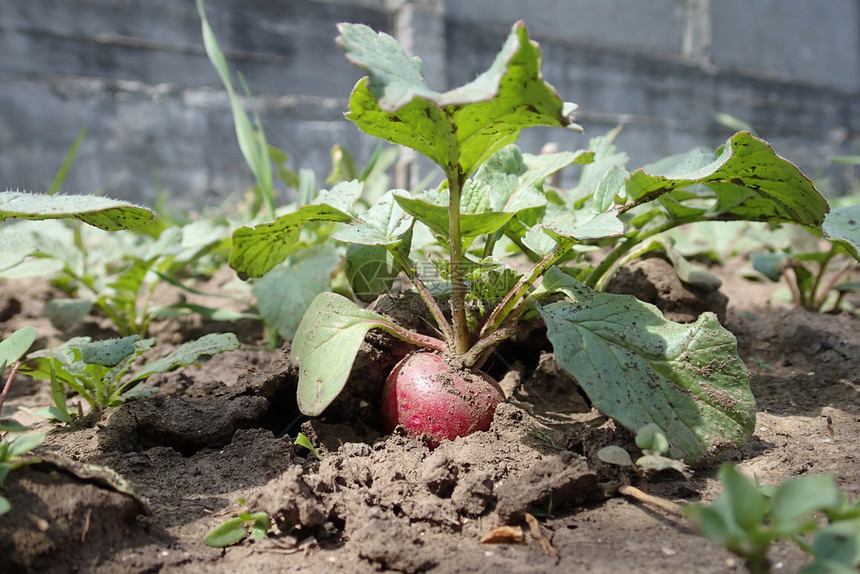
x: 222, y: 432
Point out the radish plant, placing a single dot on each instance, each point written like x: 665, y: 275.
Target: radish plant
x: 635, y: 365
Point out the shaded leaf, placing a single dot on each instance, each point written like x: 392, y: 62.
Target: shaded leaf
x: 284, y: 293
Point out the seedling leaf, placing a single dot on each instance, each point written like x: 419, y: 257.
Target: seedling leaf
x: 798, y: 498
x: 650, y: 437
x: 838, y: 543
x: 639, y: 368
x: 613, y: 454
x: 458, y: 129
x: 22, y: 444
x: 305, y: 442
x: 189, y: 352
x: 236, y: 529
x: 101, y: 212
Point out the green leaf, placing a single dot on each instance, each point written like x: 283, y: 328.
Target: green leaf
x: 585, y: 224
x: 383, y: 224
x: 769, y: 264
x: 839, y: 542
x: 798, y: 498
x: 436, y: 218
x: 639, y: 368
x: 610, y: 187
x: 305, y: 442
x: 616, y: 455
x: 15, y: 345
x: 256, y: 250
x: 11, y: 425
x: 748, y: 179
x: 259, y: 525
x: 101, y: 212
x: 59, y: 410
x: 54, y: 413
x: 650, y: 437
x: 4, y: 505
x: 284, y: 293
x: 511, y: 181
x: 735, y: 518
x: 66, y: 313
x: 22, y: 444
x: 60, y: 177
x: 657, y: 463
x: 370, y: 270
x: 227, y: 533
x: 108, y: 353
x: 325, y: 346
x: 746, y: 502
x: 252, y: 140
x: 15, y: 249
x: 458, y: 129
x: 842, y: 225
x: 189, y: 352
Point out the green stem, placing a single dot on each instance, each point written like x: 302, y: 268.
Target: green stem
x: 477, y: 354
x: 415, y: 338
x: 458, y: 285
x: 600, y: 275
x: 515, y: 295
x: 831, y: 284
x: 426, y: 296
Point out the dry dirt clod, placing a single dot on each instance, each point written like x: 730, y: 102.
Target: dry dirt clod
x: 565, y: 478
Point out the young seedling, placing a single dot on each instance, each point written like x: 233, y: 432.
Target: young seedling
x: 747, y: 519
x: 236, y: 529
x: 303, y: 441
x: 97, y: 371
x: 654, y: 446
x: 815, y: 269
x: 13, y: 451
x: 635, y: 366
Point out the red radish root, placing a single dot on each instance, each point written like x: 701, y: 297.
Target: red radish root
x: 428, y: 396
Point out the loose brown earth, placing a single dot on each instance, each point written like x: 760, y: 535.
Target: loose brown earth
x: 223, y: 431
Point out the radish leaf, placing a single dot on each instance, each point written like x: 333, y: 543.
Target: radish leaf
x: 639, y: 368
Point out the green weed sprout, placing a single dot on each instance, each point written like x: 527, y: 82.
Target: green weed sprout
x: 99, y: 371
x: 654, y: 446
x: 236, y: 529
x: 747, y: 518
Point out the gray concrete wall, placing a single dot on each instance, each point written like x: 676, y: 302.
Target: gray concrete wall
x: 134, y: 73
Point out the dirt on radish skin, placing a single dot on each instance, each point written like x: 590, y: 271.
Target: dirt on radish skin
x: 427, y: 396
